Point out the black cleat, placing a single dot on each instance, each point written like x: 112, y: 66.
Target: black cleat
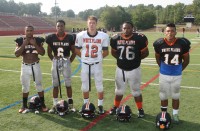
x: 101, y: 111
x: 140, y: 113
x: 113, y: 111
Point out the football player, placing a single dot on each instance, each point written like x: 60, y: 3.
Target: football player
x: 92, y: 46
x: 172, y: 56
x: 128, y: 48
x: 29, y: 47
x: 60, y: 44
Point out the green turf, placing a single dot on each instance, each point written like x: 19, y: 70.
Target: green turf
x: 10, y: 93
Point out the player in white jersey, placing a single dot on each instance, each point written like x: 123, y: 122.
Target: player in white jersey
x: 92, y: 47
x: 29, y: 47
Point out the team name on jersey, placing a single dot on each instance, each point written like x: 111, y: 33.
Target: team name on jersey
x: 91, y: 40
x: 60, y: 44
x: 171, y: 50
x: 125, y: 42
x: 29, y: 47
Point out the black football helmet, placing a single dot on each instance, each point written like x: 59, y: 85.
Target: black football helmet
x: 88, y: 110
x: 62, y: 108
x: 123, y: 113
x: 163, y: 120
x: 34, y: 103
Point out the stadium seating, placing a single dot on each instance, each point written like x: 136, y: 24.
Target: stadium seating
x: 10, y: 22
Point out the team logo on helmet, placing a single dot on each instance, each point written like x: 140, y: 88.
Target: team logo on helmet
x: 88, y: 110
x: 62, y: 108
x: 163, y: 120
x: 123, y: 113
x: 34, y: 103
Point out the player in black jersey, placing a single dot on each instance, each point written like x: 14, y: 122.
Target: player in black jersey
x: 60, y: 44
x: 30, y: 47
x: 128, y: 48
x: 172, y: 56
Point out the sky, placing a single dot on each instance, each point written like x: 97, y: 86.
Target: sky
x: 81, y: 5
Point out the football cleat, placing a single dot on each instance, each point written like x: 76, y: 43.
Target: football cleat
x: 52, y: 110
x: 23, y: 110
x: 175, y: 119
x: 101, y: 110
x: 113, y: 110
x: 70, y: 104
x: 140, y: 113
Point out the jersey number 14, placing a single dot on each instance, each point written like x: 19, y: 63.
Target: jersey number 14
x: 174, y: 60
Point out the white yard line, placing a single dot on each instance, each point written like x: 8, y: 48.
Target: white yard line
x: 186, y: 87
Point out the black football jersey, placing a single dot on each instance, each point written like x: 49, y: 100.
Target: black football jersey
x: 61, y: 46
x: 30, y: 48
x: 171, y: 53
x: 129, y: 49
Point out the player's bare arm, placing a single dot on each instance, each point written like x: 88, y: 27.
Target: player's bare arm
x: 78, y: 52
x: 186, y: 61
x: 144, y: 53
x: 73, y: 55
x: 114, y: 53
x: 105, y: 53
x: 39, y: 48
x: 49, y: 51
x: 20, y: 49
x: 157, y: 56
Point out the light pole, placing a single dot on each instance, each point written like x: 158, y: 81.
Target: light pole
x: 174, y: 16
x: 156, y: 20
x: 56, y: 10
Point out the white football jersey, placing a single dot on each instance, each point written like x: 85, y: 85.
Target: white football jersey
x: 92, y: 46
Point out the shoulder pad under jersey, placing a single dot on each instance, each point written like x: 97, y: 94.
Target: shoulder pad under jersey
x: 19, y: 40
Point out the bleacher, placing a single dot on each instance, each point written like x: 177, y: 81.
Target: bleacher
x: 11, y: 21
x: 11, y: 24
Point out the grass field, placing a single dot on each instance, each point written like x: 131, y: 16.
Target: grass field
x: 10, y: 94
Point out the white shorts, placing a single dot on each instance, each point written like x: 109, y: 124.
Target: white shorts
x: 65, y: 70
x: 132, y: 78
x: 96, y: 71
x: 27, y: 73
x: 169, y: 86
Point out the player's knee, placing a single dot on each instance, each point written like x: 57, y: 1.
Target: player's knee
x: 136, y: 93
x: 84, y: 89
x: 175, y: 96
x: 68, y: 83
x: 39, y: 88
x: 119, y: 92
x: 163, y: 96
x: 55, y: 83
x: 99, y: 89
x: 25, y: 90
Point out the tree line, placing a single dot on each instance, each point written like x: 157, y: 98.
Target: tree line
x: 143, y: 17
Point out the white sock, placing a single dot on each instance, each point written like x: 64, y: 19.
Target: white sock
x: 100, y: 102
x: 175, y: 111
x: 85, y: 100
x: 55, y: 101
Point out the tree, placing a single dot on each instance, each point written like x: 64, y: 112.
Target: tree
x: 55, y: 11
x: 33, y: 8
x: 196, y: 11
x: 3, y: 6
x: 69, y: 13
x: 142, y: 17
x: 113, y: 17
x: 84, y: 14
